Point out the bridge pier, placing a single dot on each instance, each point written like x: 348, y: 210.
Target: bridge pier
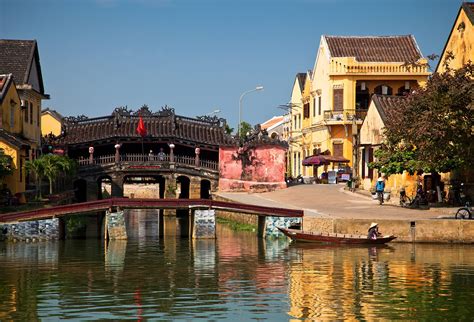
x: 203, y: 224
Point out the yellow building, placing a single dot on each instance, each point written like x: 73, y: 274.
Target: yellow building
x: 13, y: 145
x: 461, y: 39
x: 348, y: 70
x: 21, y: 123
x: 51, y: 122
x: 295, y: 115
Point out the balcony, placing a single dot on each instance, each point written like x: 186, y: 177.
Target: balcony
x: 150, y: 160
x: 345, y: 116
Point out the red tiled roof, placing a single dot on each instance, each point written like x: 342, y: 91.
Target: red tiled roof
x: 469, y: 9
x: 386, y: 102
x: 375, y: 48
x: 5, y: 81
x: 274, y: 120
x: 16, y: 57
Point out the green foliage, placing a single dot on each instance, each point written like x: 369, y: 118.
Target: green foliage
x: 6, y: 166
x: 228, y: 129
x: 236, y: 225
x: 432, y: 130
x: 50, y: 166
x: 244, y: 129
x: 75, y: 223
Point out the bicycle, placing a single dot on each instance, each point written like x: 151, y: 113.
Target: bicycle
x: 405, y: 201
x: 464, y: 212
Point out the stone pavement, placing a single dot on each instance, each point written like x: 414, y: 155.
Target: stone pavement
x: 332, y: 201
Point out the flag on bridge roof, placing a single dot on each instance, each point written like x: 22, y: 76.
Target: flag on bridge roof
x: 141, y: 129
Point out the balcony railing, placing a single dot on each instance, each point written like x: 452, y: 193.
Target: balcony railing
x: 345, y: 115
x: 137, y: 158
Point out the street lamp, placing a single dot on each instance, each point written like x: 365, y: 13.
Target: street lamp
x: 216, y: 111
x: 258, y: 88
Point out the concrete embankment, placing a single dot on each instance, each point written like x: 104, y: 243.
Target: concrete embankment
x: 329, y: 210
x: 420, y: 231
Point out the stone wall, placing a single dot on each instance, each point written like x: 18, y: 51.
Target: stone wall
x: 256, y: 169
x: 35, y: 230
x: 421, y: 231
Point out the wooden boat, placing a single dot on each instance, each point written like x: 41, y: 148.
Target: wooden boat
x: 332, y: 238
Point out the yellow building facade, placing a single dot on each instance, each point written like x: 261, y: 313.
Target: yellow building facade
x: 295, y: 116
x: 348, y: 70
x: 21, y: 123
x: 12, y: 144
x: 51, y: 122
x: 461, y: 39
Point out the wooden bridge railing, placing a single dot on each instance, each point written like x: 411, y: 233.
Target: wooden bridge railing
x: 150, y: 159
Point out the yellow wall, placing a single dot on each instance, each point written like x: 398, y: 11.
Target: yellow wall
x: 460, y: 43
x: 50, y: 124
x: 295, y: 145
x: 14, y: 182
x: 7, y: 108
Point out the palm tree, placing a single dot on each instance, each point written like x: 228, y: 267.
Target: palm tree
x: 55, y: 165
x: 36, y: 167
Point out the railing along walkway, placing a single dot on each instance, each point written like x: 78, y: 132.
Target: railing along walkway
x: 151, y: 159
x: 100, y: 205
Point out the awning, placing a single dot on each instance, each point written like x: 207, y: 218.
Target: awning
x: 321, y: 159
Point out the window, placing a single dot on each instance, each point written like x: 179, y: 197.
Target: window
x: 383, y: 89
x: 338, y: 99
x: 319, y: 105
x: 21, y: 168
x: 337, y: 149
x: 306, y: 110
x: 26, y: 106
x: 38, y: 116
x: 314, y: 107
x: 12, y: 116
x: 31, y: 113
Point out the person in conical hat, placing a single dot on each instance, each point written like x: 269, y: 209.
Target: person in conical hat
x: 373, y: 231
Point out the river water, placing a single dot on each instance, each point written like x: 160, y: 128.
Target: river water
x: 236, y: 277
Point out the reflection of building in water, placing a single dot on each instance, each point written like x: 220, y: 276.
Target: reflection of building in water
x: 351, y: 283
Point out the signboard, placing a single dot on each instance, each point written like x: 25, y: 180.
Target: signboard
x: 332, y: 176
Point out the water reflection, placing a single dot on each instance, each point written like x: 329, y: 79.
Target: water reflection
x: 237, y: 276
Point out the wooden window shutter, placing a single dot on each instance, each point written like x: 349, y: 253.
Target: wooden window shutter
x: 337, y: 149
x: 338, y: 99
x: 306, y: 110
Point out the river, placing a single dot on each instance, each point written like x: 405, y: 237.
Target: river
x: 236, y: 277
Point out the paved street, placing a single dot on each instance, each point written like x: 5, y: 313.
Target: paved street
x: 332, y: 201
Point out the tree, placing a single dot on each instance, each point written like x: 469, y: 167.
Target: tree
x: 228, y: 129
x: 6, y: 166
x: 245, y: 128
x: 36, y: 167
x: 431, y: 131
x: 50, y: 166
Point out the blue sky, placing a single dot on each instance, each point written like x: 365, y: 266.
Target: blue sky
x: 199, y: 55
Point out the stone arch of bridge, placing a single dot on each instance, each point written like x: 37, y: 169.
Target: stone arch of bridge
x: 145, y: 185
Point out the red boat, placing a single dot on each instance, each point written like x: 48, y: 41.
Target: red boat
x: 333, y: 238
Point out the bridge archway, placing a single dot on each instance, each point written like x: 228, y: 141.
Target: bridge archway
x: 144, y: 186
x: 184, y: 185
x: 80, y: 190
x: 104, y: 187
x: 205, y: 189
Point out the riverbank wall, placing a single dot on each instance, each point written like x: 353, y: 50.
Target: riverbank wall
x: 419, y: 231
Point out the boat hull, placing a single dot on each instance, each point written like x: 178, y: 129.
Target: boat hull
x: 328, y: 238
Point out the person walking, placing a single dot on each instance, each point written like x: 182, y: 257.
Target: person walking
x: 379, y: 188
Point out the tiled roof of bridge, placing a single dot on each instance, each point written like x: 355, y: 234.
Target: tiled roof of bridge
x: 158, y: 125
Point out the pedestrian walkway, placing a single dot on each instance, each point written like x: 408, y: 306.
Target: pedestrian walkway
x: 332, y: 201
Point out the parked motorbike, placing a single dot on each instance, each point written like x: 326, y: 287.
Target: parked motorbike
x: 290, y: 181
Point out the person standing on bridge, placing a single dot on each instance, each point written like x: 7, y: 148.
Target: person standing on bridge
x: 150, y: 155
x: 161, y: 155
